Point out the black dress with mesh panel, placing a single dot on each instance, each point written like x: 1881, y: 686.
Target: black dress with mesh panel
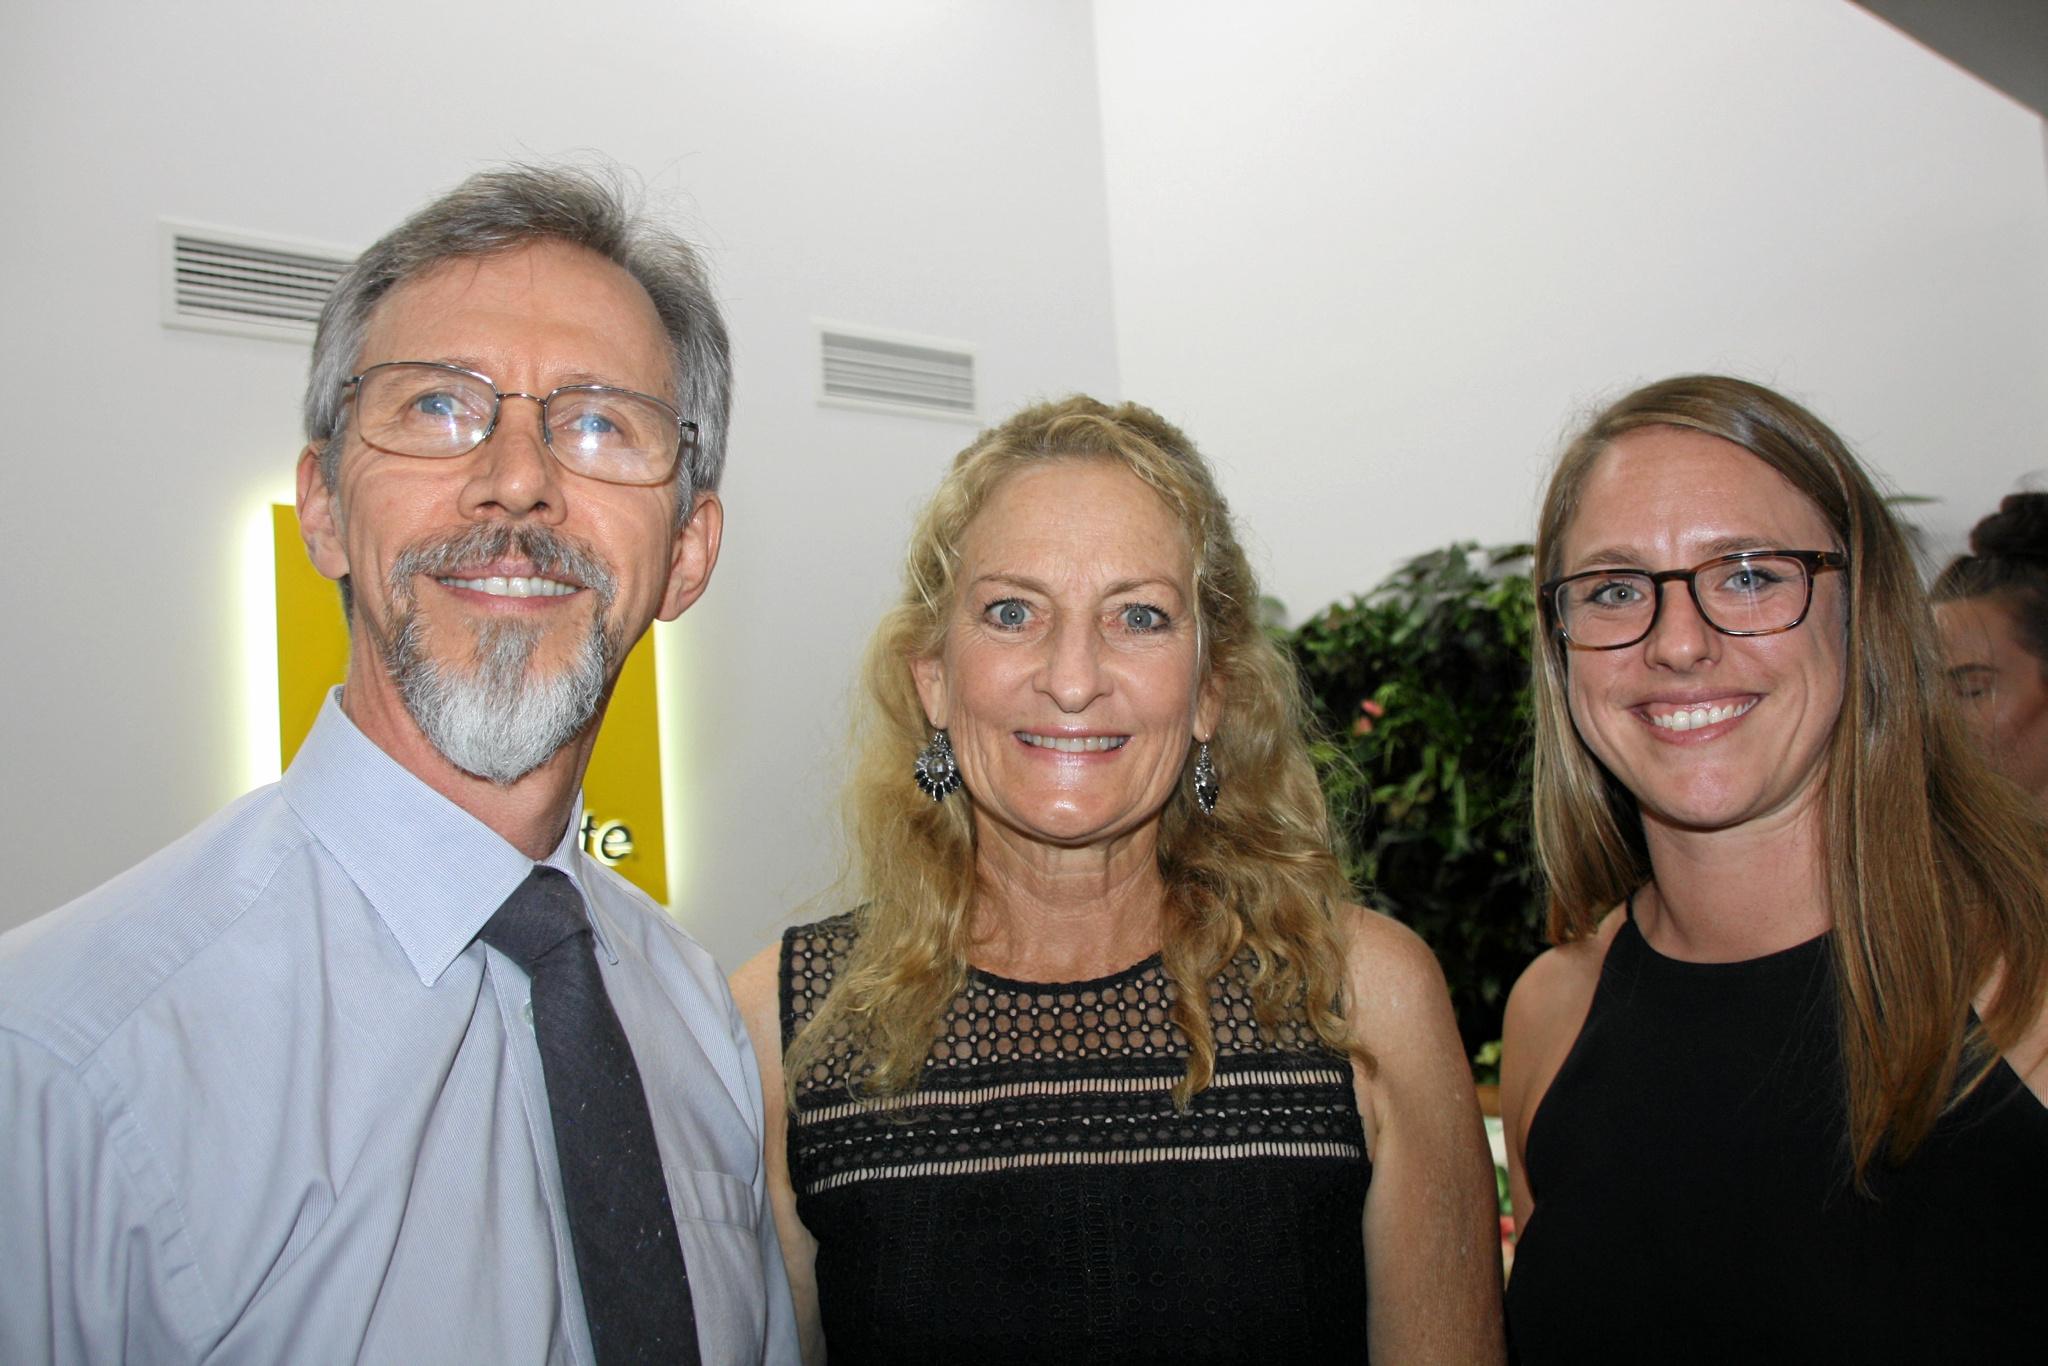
x: 1038, y: 1198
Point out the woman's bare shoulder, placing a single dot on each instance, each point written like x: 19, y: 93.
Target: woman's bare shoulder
x: 754, y: 986
x: 1391, y: 975
x: 756, y: 991
x: 1545, y: 1012
x: 1400, y: 1010
x: 1557, y: 989
x: 819, y: 947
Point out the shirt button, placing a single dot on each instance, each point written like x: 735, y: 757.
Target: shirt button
x: 526, y: 1012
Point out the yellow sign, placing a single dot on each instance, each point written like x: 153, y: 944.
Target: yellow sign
x: 622, y: 824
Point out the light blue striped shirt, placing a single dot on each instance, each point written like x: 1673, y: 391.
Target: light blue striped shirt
x: 267, y: 1099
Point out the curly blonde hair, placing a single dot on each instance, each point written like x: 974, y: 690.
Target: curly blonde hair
x: 1259, y: 873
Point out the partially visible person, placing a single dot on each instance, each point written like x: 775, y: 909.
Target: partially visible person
x: 1992, y: 607
x: 1777, y: 1095
x: 360, y: 1069
x: 1104, y: 1066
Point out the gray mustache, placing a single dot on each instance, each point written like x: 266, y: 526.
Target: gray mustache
x: 553, y: 555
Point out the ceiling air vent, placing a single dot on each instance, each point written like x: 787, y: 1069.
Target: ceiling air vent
x: 219, y: 281
x: 894, y: 372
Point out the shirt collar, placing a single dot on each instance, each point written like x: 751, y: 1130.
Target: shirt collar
x: 432, y: 872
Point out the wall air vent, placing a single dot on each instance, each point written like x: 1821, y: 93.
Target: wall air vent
x: 895, y: 372
x: 220, y: 281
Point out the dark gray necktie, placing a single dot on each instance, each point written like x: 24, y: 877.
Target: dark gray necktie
x: 635, y: 1289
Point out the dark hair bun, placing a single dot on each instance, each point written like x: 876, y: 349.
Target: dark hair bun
x: 2018, y: 529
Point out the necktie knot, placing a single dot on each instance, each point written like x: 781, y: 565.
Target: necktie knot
x: 543, y: 913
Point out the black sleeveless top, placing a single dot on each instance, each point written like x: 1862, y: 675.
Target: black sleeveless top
x: 1693, y: 1197
x: 1037, y: 1198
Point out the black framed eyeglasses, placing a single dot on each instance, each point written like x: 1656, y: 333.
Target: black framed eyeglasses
x: 1751, y: 593
x: 432, y: 411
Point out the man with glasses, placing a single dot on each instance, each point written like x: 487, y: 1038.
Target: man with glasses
x: 376, y: 1065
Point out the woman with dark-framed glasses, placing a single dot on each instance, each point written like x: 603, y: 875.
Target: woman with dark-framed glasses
x: 1778, y: 1092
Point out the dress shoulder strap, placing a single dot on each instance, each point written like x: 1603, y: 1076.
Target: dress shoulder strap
x: 811, y: 958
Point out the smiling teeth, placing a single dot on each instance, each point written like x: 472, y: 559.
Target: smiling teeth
x: 1079, y: 744
x: 499, y: 587
x: 1692, y: 718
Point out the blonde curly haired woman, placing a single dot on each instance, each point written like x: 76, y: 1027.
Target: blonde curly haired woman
x: 1104, y: 1066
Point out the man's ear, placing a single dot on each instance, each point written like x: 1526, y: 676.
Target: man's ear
x: 320, y: 518
x: 928, y: 673
x: 693, y: 556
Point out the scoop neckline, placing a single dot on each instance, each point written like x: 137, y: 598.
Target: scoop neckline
x: 1121, y: 975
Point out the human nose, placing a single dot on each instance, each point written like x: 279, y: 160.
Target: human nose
x: 1072, y: 674
x: 514, y: 473
x: 1681, y: 636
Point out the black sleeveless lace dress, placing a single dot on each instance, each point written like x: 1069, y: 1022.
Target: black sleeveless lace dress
x: 1690, y: 1172
x: 1038, y: 1199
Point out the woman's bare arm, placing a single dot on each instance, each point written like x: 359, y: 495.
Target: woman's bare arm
x: 1432, y: 1230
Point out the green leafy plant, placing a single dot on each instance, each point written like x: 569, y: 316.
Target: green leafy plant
x: 1422, y: 690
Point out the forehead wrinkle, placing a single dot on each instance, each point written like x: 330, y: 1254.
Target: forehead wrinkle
x: 1008, y: 580
x: 1736, y: 545
x: 1133, y: 585
x: 499, y: 290
x: 561, y: 379
x: 1028, y: 584
x: 1626, y: 557
x: 1634, y: 557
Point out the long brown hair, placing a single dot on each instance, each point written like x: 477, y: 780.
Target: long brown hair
x: 1935, y: 876
x: 1258, y: 873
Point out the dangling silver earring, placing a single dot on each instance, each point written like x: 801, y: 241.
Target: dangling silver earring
x: 937, y: 772
x: 1207, y: 788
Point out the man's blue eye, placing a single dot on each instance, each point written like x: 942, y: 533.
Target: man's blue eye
x: 593, y: 424
x: 441, y: 405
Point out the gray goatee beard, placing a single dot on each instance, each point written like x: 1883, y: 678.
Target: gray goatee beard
x: 489, y: 715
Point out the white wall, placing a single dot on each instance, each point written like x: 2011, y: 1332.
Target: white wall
x: 915, y: 164
x: 1378, y: 257
x: 1373, y: 256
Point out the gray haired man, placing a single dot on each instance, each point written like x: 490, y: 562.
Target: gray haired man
x: 375, y: 1064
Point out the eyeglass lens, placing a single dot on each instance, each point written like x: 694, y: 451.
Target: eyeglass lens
x: 1744, y: 597
x: 434, y: 412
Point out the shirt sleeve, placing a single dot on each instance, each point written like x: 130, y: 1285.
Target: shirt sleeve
x: 780, y: 1344
x: 98, y: 1268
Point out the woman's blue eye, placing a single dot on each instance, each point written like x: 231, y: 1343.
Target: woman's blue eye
x: 1141, y: 617
x: 1615, y: 593
x: 1008, y: 614
x: 1752, y: 578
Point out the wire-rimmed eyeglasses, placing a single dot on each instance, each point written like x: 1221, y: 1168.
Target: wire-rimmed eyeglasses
x: 1750, y: 593
x: 433, y: 411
